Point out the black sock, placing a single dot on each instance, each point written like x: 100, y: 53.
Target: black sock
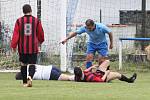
x: 124, y: 78
x: 133, y: 78
x: 31, y: 70
x: 108, y: 68
x: 24, y: 73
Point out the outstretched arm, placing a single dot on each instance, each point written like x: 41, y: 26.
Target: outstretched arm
x: 90, y: 68
x: 71, y: 35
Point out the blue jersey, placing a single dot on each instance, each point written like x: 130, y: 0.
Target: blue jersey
x: 98, y: 35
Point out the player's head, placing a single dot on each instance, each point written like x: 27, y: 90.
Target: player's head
x: 78, y: 74
x: 90, y: 25
x: 26, y: 9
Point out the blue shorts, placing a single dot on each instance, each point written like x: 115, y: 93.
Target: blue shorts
x: 55, y: 73
x: 101, y: 48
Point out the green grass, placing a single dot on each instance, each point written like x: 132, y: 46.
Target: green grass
x: 10, y: 89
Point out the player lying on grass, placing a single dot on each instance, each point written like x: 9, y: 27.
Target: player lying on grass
x: 42, y: 72
x: 94, y: 74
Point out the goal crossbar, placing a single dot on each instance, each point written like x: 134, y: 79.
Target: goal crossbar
x: 120, y: 47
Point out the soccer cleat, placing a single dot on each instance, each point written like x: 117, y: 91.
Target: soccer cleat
x: 25, y: 85
x: 133, y: 78
x: 29, y: 81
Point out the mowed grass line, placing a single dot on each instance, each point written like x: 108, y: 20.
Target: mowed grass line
x: 10, y: 89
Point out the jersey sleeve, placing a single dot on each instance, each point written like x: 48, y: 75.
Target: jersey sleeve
x: 15, y: 37
x: 98, y: 80
x: 40, y: 33
x: 81, y: 30
x: 106, y: 29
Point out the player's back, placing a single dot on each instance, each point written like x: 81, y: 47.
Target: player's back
x: 42, y: 72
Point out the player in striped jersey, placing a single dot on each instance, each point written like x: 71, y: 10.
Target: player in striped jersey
x: 28, y: 35
x: 94, y: 74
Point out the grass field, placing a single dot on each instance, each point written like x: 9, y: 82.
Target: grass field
x: 10, y: 89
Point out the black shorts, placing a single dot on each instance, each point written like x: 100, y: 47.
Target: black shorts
x: 100, y: 72
x: 28, y: 58
x: 55, y: 73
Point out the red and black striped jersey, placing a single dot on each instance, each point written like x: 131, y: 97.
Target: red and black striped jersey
x: 92, y: 77
x: 28, y: 34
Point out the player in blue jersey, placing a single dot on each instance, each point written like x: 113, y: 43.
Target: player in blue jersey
x: 97, y: 40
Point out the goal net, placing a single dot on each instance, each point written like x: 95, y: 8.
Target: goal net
x: 135, y: 55
x: 59, y: 17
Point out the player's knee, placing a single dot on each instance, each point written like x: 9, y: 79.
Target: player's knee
x: 107, y: 61
x: 89, y: 57
x: 101, y: 60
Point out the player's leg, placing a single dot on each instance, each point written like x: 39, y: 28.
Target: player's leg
x: 103, y: 60
x: 89, y: 59
x: 30, y: 74
x: 113, y: 76
x: 104, y: 65
x: 32, y: 58
x: 55, y: 73
x: 24, y: 73
x: 90, y: 54
x: 23, y: 62
x: 116, y: 75
x: 31, y: 70
x: 129, y: 80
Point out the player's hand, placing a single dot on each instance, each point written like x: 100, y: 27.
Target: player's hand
x: 93, y: 69
x: 64, y: 41
x: 39, y: 49
x: 14, y: 50
x: 111, y: 46
x: 94, y: 66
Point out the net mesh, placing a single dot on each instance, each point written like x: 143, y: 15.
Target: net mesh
x: 123, y: 17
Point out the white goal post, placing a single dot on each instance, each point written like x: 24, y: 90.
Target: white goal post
x: 120, y: 47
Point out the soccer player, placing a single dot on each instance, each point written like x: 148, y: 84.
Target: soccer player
x: 97, y: 40
x: 49, y: 72
x: 28, y: 35
x: 93, y: 74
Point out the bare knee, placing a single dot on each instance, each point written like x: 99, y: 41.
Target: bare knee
x: 89, y: 57
x: 102, y: 59
x: 104, y: 65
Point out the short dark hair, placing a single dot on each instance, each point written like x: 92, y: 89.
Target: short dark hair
x: 89, y: 22
x: 27, y: 9
x: 78, y: 74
